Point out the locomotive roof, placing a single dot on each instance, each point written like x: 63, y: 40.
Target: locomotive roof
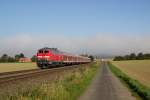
x: 54, y: 50
x: 49, y: 48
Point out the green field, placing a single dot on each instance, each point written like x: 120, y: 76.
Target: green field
x: 7, y: 67
x: 136, y: 69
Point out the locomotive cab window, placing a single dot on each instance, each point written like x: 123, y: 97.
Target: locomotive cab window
x: 46, y: 51
x: 40, y: 51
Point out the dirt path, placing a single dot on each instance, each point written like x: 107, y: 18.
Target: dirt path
x: 106, y: 86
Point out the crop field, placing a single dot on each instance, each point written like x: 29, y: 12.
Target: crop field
x: 136, y: 69
x: 7, y: 67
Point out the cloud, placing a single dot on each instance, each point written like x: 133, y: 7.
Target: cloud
x: 100, y: 43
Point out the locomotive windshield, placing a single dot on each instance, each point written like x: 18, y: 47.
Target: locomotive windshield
x: 43, y: 51
x: 46, y: 51
x: 40, y: 51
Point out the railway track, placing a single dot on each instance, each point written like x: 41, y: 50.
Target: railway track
x: 18, y: 75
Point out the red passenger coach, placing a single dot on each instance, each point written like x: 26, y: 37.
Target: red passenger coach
x: 50, y: 57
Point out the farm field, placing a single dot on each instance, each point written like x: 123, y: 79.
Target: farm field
x: 7, y: 67
x: 136, y: 69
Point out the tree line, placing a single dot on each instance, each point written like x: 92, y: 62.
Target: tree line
x: 133, y: 56
x: 7, y: 58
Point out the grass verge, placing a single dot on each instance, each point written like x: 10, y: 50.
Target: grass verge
x: 68, y: 87
x: 134, y: 85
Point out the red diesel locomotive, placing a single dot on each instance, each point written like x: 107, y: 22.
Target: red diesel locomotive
x: 50, y: 57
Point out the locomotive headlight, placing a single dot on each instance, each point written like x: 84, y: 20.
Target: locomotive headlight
x: 39, y: 56
x: 46, y: 56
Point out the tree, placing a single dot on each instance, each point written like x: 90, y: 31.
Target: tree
x: 18, y: 56
x: 127, y: 57
x: 34, y: 58
x: 147, y: 56
x: 11, y: 59
x: 22, y: 55
x: 91, y: 57
x: 4, y: 58
x: 140, y: 56
x: 118, y: 58
x: 132, y: 56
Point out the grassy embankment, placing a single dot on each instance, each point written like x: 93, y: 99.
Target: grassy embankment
x: 135, y: 85
x: 8, y: 67
x: 68, y: 87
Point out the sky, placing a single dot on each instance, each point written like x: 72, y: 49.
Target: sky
x: 98, y: 27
